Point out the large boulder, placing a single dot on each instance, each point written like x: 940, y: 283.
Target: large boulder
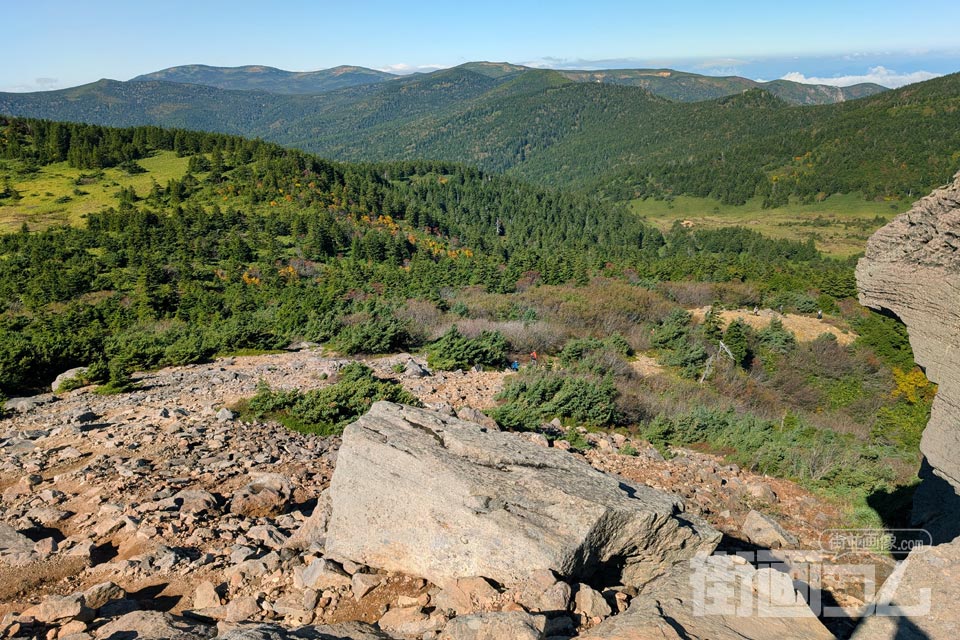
x: 715, y: 598
x: 912, y: 269
x: 431, y: 495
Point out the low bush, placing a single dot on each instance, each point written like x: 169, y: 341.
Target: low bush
x: 537, y: 396
x: 789, y: 448
x: 328, y: 410
x: 455, y: 351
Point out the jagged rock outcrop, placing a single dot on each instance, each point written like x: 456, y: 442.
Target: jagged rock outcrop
x: 912, y: 269
x: 431, y: 495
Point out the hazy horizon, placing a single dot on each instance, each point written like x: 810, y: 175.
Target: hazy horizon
x: 829, y: 43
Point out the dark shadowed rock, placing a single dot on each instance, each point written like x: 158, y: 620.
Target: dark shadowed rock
x: 342, y: 631
x: 153, y: 625
x: 430, y: 495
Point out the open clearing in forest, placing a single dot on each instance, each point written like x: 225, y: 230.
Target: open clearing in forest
x: 59, y: 194
x: 805, y: 328
x: 840, y: 225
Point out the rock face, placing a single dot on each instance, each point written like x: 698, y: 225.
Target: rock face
x: 435, y: 496
x: 912, y: 269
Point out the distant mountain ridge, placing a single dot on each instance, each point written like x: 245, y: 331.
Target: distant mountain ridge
x: 537, y: 124
x: 270, y: 79
x: 691, y: 87
x: 680, y: 86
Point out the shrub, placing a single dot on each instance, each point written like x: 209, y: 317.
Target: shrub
x: 455, y: 351
x: 789, y: 448
x: 776, y: 338
x: 328, y: 410
x: 533, y: 398
x: 598, y: 357
x: 377, y: 332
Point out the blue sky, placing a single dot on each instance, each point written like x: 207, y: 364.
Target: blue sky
x: 50, y: 44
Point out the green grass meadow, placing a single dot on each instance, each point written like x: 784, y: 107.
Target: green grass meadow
x: 840, y: 225
x: 56, y: 194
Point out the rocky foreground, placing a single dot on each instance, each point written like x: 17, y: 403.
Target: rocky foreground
x: 157, y: 514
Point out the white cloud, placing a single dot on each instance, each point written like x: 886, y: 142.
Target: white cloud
x: 39, y: 84
x: 402, y: 68
x: 879, y: 75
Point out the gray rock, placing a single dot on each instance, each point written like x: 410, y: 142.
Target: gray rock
x: 302, y: 345
x: 922, y: 594
x: 99, y: 595
x: 466, y: 595
x: 12, y: 541
x: 590, y: 603
x: 60, y: 609
x: 205, y: 596
x: 314, y: 529
x: 320, y: 574
x: 413, y: 369
x: 764, y: 531
x: 225, y: 415
x: 69, y: 374
x: 720, y: 598
x: 23, y: 405
x: 342, y: 631
x: 541, y: 591
x: 475, y: 415
x: 267, y: 495
x: 363, y: 583
x: 421, y: 493
x: 195, y: 501
x: 411, y: 622
x: 268, y: 535
x: 498, y: 625
x: 153, y: 625
x: 241, y: 609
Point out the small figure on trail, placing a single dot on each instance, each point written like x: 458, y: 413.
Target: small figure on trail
x: 533, y: 358
x: 819, y: 314
x: 781, y: 309
x: 515, y: 366
x: 756, y: 311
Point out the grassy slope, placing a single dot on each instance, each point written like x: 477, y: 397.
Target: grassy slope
x: 840, y: 225
x: 40, y: 190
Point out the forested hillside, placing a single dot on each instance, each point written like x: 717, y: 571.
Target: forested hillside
x: 259, y: 245
x: 540, y: 126
x: 255, y: 247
